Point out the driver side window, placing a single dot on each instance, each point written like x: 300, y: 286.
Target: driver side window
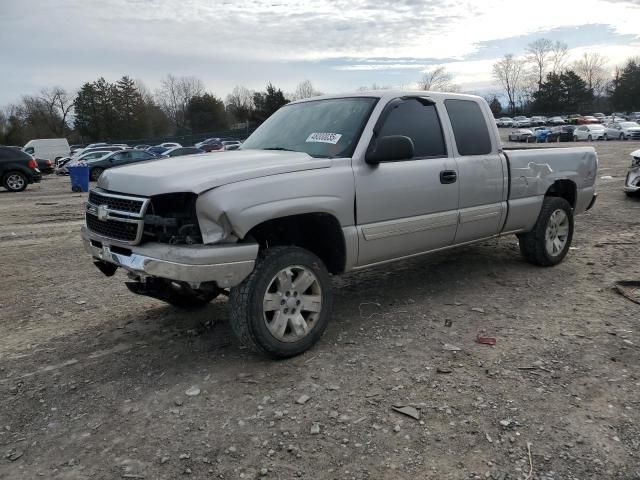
x: 421, y: 124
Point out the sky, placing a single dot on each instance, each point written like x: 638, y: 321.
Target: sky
x: 339, y: 45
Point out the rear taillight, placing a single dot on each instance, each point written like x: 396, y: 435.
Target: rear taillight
x: 32, y: 164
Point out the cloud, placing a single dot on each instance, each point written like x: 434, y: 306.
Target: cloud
x: 338, y: 44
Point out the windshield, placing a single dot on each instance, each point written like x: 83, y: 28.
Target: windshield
x: 321, y: 128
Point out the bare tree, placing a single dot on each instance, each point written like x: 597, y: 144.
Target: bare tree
x: 592, y: 69
x: 438, y: 80
x: 305, y: 89
x: 174, y: 96
x: 239, y: 103
x: 539, y: 54
x: 559, y: 55
x: 508, y: 71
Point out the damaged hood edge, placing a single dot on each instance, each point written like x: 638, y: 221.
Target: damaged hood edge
x: 199, y: 173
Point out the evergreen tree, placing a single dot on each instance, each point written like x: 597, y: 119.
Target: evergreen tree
x: 206, y: 113
x: 625, y: 88
x: 564, y: 92
x: 268, y: 102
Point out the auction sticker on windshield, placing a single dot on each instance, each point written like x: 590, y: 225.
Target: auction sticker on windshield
x: 331, y: 138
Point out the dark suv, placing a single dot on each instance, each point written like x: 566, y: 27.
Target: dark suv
x: 17, y: 169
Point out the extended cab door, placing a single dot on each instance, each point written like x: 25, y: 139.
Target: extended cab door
x: 482, y: 174
x: 409, y: 206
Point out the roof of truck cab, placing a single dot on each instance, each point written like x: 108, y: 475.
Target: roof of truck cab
x: 390, y: 94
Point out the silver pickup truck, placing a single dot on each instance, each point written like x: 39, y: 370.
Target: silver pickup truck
x: 325, y: 186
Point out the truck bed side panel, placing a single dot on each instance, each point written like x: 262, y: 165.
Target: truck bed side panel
x: 534, y: 170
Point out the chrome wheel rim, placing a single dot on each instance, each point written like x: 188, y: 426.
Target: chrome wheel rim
x: 292, y: 303
x: 15, y: 181
x: 557, y: 233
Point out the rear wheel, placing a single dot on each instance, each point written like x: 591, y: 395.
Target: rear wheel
x: 15, y: 181
x: 283, y: 307
x: 95, y: 173
x: 549, y: 241
x: 590, y: 138
x: 622, y: 137
x: 575, y: 138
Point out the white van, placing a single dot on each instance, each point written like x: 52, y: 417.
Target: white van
x: 48, y: 148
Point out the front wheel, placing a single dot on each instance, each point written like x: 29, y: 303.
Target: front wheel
x: 549, y: 241
x: 283, y: 307
x: 622, y: 137
x: 575, y: 138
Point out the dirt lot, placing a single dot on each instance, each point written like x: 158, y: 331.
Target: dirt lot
x: 94, y: 380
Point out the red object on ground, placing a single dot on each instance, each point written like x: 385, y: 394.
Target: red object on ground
x: 485, y: 340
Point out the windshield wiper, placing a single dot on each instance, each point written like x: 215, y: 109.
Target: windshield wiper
x: 280, y: 148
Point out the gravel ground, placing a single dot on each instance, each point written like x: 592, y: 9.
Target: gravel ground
x: 98, y: 383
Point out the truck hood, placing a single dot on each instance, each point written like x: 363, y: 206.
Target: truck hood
x: 202, y: 172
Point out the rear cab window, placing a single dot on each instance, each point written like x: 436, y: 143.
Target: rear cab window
x: 469, y: 127
x: 420, y: 122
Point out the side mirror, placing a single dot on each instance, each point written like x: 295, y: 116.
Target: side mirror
x: 389, y: 149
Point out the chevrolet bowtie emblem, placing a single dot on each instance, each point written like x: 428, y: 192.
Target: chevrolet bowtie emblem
x: 103, y: 213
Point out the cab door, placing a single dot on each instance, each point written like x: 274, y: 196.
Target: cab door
x: 482, y: 174
x: 408, y: 206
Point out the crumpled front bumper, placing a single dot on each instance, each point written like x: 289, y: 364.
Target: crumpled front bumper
x: 632, y: 182
x: 226, y: 264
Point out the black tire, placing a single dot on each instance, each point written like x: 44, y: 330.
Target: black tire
x: 533, y: 244
x: 622, y: 137
x: 606, y: 137
x: 246, y: 302
x: 575, y: 138
x: 590, y: 138
x: 95, y: 173
x: 15, y: 181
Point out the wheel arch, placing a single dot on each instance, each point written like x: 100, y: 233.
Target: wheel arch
x: 318, y: 232
x: 564, y: 188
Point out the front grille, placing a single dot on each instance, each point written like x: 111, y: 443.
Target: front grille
x: 124, y: 231
x: 634, y: 135
x: 119, y: 204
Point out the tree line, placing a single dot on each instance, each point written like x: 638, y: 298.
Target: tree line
x: 542, y: 80
x: 127, y: 110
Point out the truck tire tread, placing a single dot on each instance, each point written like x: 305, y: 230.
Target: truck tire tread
x: 243, y: 308
x: 532, y: 244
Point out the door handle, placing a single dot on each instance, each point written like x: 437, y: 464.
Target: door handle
x: 448, y: 176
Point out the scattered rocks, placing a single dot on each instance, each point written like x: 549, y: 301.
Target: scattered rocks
x: 192, y: 392
x: 315, y: 429
x: 450, y: 348
x: 303, y: 399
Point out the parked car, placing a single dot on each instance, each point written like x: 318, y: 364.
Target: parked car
x: 169, y: 145
x: 561, y: 134
x: 110, y: 148
x: 45, y: 166
x: 48, y: 148
x: 554, y: 121
x: 213, y: 147
x: 587, y: 120
x: 181, y: 151
x: 521, y: 135
x: 634, y: 116
x: 622, y: 131
x: 115, y: 159
x: 208, y: 140
x: 599, y: 116
x: 231, y: 144
x: 92, y: 155
x: 326, y: 186
x: 538, y: 121
x: 589, y: 132
x: 504, y: 122
x: 75, y: 147
x: 98, y: 144
x: 520, y: 122
x: 17, y: 169
x: 622, y: 116
x: 632, y: 182
x: 157, y: 150
x: 541, y: 133
x: 142, y: 147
